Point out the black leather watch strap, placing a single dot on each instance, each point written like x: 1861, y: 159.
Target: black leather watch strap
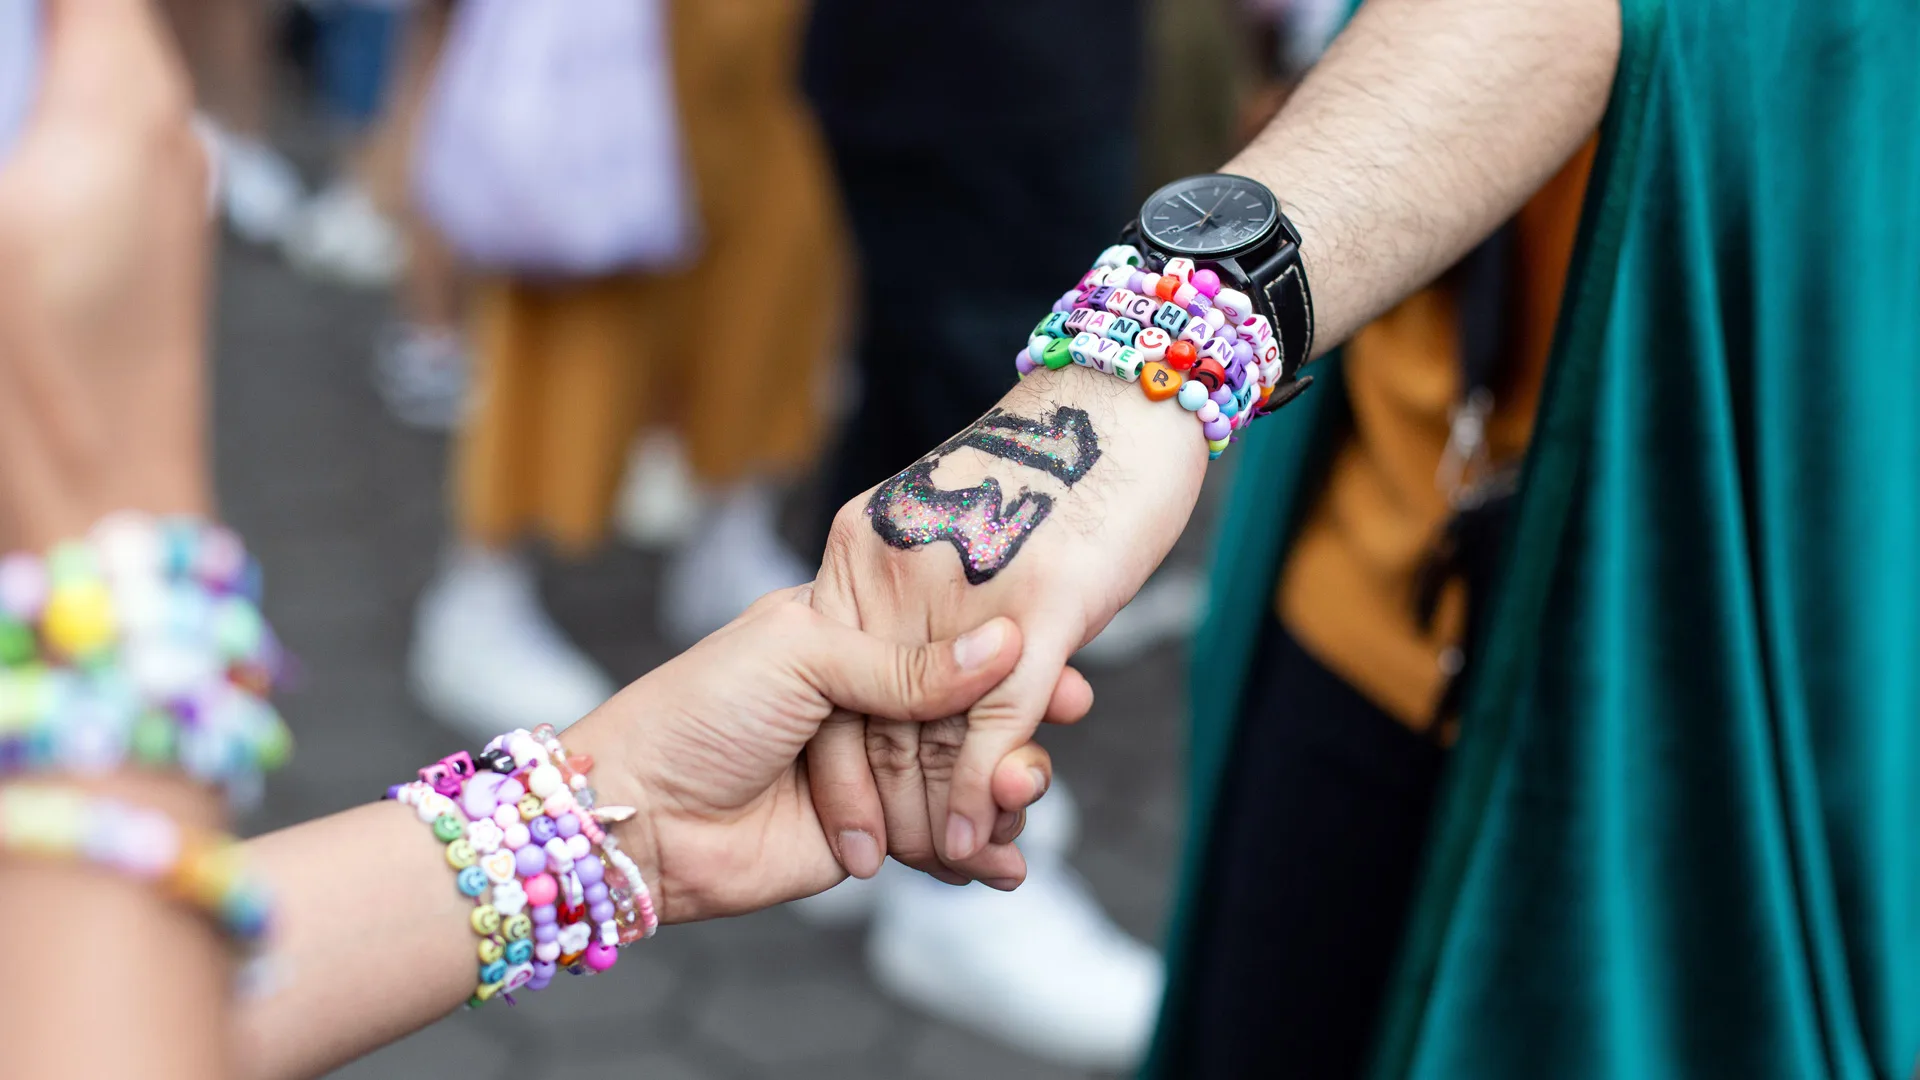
x: 1289, y: 301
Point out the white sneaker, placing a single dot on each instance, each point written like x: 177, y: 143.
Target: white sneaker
x: 421, y: 374
x: 260, y: 192
x: 1053, y: 827
x: 734, y: 558
x: 1168, y: 606
x: 659, y: 504
x: 341, y: 236
x: 1041, y: 969
x: 487, y: 659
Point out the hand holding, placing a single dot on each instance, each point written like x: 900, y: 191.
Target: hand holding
x: 706, y: 746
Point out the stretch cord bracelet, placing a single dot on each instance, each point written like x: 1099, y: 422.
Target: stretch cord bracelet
x: 551, y: 889
x: 203, y: 869
x: 143, y: 643
x: 1178, y: 332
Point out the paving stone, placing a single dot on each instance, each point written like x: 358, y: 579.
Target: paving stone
x: 941, y: 1053
x: 786, y: 1018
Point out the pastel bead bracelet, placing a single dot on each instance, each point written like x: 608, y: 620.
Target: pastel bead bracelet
x: 203, y: 869
x: 550, y: 886
x: 143, y: 643
x: 1179, y: 332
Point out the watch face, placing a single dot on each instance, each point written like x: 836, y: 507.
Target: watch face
x: 1208, y: 215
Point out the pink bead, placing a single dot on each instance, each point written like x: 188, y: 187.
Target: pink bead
x: 542, y: 890
x: 548, y: 951
x: 599, y: 957
x: 1207, y: 282
x: 506, y: 815
x: 1208, y: 413
x: 1023, y: 363
x: 1184, y: 295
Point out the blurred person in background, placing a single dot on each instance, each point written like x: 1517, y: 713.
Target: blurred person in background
x: 228, y: 48
x: 727, y: 350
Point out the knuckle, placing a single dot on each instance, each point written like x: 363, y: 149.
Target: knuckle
x: 892, y: 753
x: 939, y: 751
x: 913, y: 676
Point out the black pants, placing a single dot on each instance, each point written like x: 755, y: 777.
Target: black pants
x: 1314, y: 856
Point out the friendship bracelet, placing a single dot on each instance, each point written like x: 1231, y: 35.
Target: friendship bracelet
x: 203, y: 869
x: 1180, y: 333
x: 551, y: 888
x: 144, y: 644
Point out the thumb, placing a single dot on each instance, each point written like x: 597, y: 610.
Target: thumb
x: 999, y: 723
x: 864, y: 674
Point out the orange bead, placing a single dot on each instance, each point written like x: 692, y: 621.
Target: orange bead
x: 1182, y: 354
x: 1159, y: 381
x: 1167, y: 287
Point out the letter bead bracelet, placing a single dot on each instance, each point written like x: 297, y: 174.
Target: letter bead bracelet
x: 1179, y: 333
x: 527, y: 844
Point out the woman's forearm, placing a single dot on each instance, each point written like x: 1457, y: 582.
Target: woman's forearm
x: 371, y: 941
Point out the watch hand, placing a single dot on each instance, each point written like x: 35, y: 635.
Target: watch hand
x: 1196, y: 208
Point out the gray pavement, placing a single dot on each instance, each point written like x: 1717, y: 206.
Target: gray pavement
x: 346, y: 509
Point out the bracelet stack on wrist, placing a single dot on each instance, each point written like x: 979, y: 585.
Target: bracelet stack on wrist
x: 141, y: 645
x: 1179, y: 333
x: 551, y: 888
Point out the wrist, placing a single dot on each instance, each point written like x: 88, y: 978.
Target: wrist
x: 617, y: 782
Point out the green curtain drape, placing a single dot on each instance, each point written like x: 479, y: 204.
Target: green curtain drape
x: 1681, y: 832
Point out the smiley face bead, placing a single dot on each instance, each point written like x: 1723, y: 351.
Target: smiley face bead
x: 448, y: 827
x: 472, y: 881
x: 460, y: 854
x: 485, y: 920
x: 517, y: 928
x: 491, y: 952
x: 530, y: 807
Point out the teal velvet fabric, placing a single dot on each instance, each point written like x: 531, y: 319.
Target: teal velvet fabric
x: 1678, y: 837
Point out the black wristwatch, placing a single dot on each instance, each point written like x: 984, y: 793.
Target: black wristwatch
x: 1234, y: 226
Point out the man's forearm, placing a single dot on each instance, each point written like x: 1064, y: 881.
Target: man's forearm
x: 1426, y: 125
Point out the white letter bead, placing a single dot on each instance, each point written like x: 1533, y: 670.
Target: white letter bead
x: 1126, y: 364
x: 1258, y: 326
x: 1180, y: 268
x: 1117, y: 303
x: 1234, y: 303
x: 1215, y: 319
x: 1082, y: 347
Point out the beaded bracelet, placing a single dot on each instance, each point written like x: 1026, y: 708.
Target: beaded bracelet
x: 1179, y: 333
x: 551, y: 888
x: 200, y: 868
x: 143, y: 643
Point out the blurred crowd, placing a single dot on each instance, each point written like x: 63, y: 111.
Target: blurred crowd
x: 665, y: 272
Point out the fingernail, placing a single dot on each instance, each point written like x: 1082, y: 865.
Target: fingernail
x: 979, y: 646
x: 1039, y: 781
x: 959, y: 837
x: 1004, y: 884
x: 859, y: 853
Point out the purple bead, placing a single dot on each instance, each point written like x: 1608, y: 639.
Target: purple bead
x: 544, y: 915
x: 1221, y: 396
x: 589, y: 871
x: 481, y: 795
x: 394, y: 791
x: 541, y: 828
x: 545, y: 969
x: 1023, y: 363
x: 546, y: 932
x: 603, y: 911
x: 1063, y: 305
x: 1217, y: 429
x: 1242, y: 352
x: 511, y: 791
x: 1137, y: 282
x: 1097, y: 299
x: 595, y: 892
x: 566, y: 824
x: 530, y: 861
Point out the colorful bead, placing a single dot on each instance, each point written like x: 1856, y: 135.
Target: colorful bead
x: 1123, y: 331
x: 500, y: 867
x: 1182, y: 354
x: 1234, y: 303
x: 1159, y: 381
x: 1170, y: 318
x: 472, y: 881
x: 1058, y: 355
x: 1207, y: 282
x: 1127, y: 363
x: 1208, y: 373
x: 485, y: 919
x: 78, y: 619
x: 1053, y: 326
x: 1192, y: 395
x: 1179, y: 268
x: 447, y: 827
x: 460, y: 854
